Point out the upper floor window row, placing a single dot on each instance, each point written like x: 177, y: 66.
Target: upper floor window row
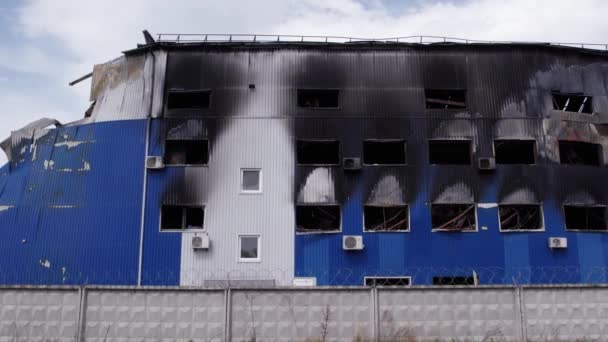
x: 179, y: 99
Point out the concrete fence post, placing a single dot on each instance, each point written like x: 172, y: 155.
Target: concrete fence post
x: 82, y: 313
x: 520, y: 312
x: 227, y: 315
x: 375, y: 314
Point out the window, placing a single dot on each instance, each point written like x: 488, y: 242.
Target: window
x: 386, y: 219
x: 581, y: 217
x: 454, y: 152
x: 249, y: 248
x: 453, y: 217
x: 515, y: 151
x: 318, y: 98
x: 387, y: 281
x: 317, y: 218
x: 445, y: 98
x: 580, y: 153
x: 186, y: 152
x: 318, y: 152
x: 388, y: 152
x: 573, y: 102
x: 251, y: 181
x: 189, y: 99
x: 454, y: 280
x: 179, y: 217
x: 514, y: 217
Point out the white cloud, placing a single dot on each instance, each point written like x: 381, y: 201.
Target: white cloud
x: 87, y: 32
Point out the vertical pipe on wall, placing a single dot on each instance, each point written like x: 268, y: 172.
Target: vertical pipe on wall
x: 143, y: 192
x: 520, y: 314
x: 143, y: 208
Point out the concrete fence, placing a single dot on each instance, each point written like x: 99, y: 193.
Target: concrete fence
x: 552, y: 313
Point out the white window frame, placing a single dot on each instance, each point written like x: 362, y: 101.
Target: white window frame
x: 446, y: 230
x: 251, y: 192
x: 578, y: 229
x: 259, y: 247
x: 409, y: 223
x: 542, y: 219
x: 409, y: 278
x: 183, y: 229
x: 318, y: 232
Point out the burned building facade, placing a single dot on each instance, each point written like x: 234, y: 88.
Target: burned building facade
x: 206, y: 163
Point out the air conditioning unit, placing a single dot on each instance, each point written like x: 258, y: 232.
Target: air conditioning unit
x: 200, y: 241
x: 352, y: 242
x: 154, y: 162
x: 558, y: 242
x: 486, y: 163
x: 351, y: 164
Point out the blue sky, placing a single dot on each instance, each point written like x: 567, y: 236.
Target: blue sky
x: 47, y: 43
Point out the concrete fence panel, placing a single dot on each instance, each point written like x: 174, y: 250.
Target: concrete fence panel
x: 43, y: 314
x: 154, y: 315
x: 488, y: 314
x: 300, y: 315
x: 571, y: 314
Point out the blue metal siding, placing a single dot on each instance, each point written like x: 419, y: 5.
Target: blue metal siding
x: 498, y: 258
x: 162, y: 250
x: 73, y: 224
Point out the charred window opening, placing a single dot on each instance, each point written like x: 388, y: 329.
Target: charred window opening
x: 446, y: 98
x: 573, y: 102
x: 387, y: 281
x: 188, y: 99
x: 515, y: 217
x: 580, y: 153
x: 454, y: 280
x: 186, y: 152
x: 453, y: 152
x: 387, y: 152
x: 318, y: 152
x: 453, y: 217
x: 379, y: 219
x: 318, y: 98
x: 179, y: 217
x: 515, y: 151
x: 580, y: 217
x: 317, y: 218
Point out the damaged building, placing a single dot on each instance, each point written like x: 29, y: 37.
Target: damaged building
x: 206, y: 162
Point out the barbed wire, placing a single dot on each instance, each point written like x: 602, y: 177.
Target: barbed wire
x: 263, y: 277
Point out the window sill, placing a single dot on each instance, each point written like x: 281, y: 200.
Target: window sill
x: 249, y: 261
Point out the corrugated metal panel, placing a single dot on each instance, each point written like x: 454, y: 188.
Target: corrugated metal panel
x: 72, y: 219
x: 124, y: 88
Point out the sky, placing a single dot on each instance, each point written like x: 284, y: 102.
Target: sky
x: 44, y: 44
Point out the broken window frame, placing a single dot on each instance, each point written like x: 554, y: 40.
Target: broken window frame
x: 459, y: 106
x: 473, y: 207
x: 407, y: 279
x: 177, y: 91
x: 405, y: 206
x: 184, y: 208
x: 258, y: 248
x: 336, y: 90
x: 317, y: 231
x: 587, y: 99
x: 469, y: 141
x: 260, y: 183
x: 534, y: 150
x: 473, y: 277
x: 586, y: 230
x: 402, y: 141
x: 338, y: 161
x: 599, y: 149
x: 540, y: 213
x: 186, y: 164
